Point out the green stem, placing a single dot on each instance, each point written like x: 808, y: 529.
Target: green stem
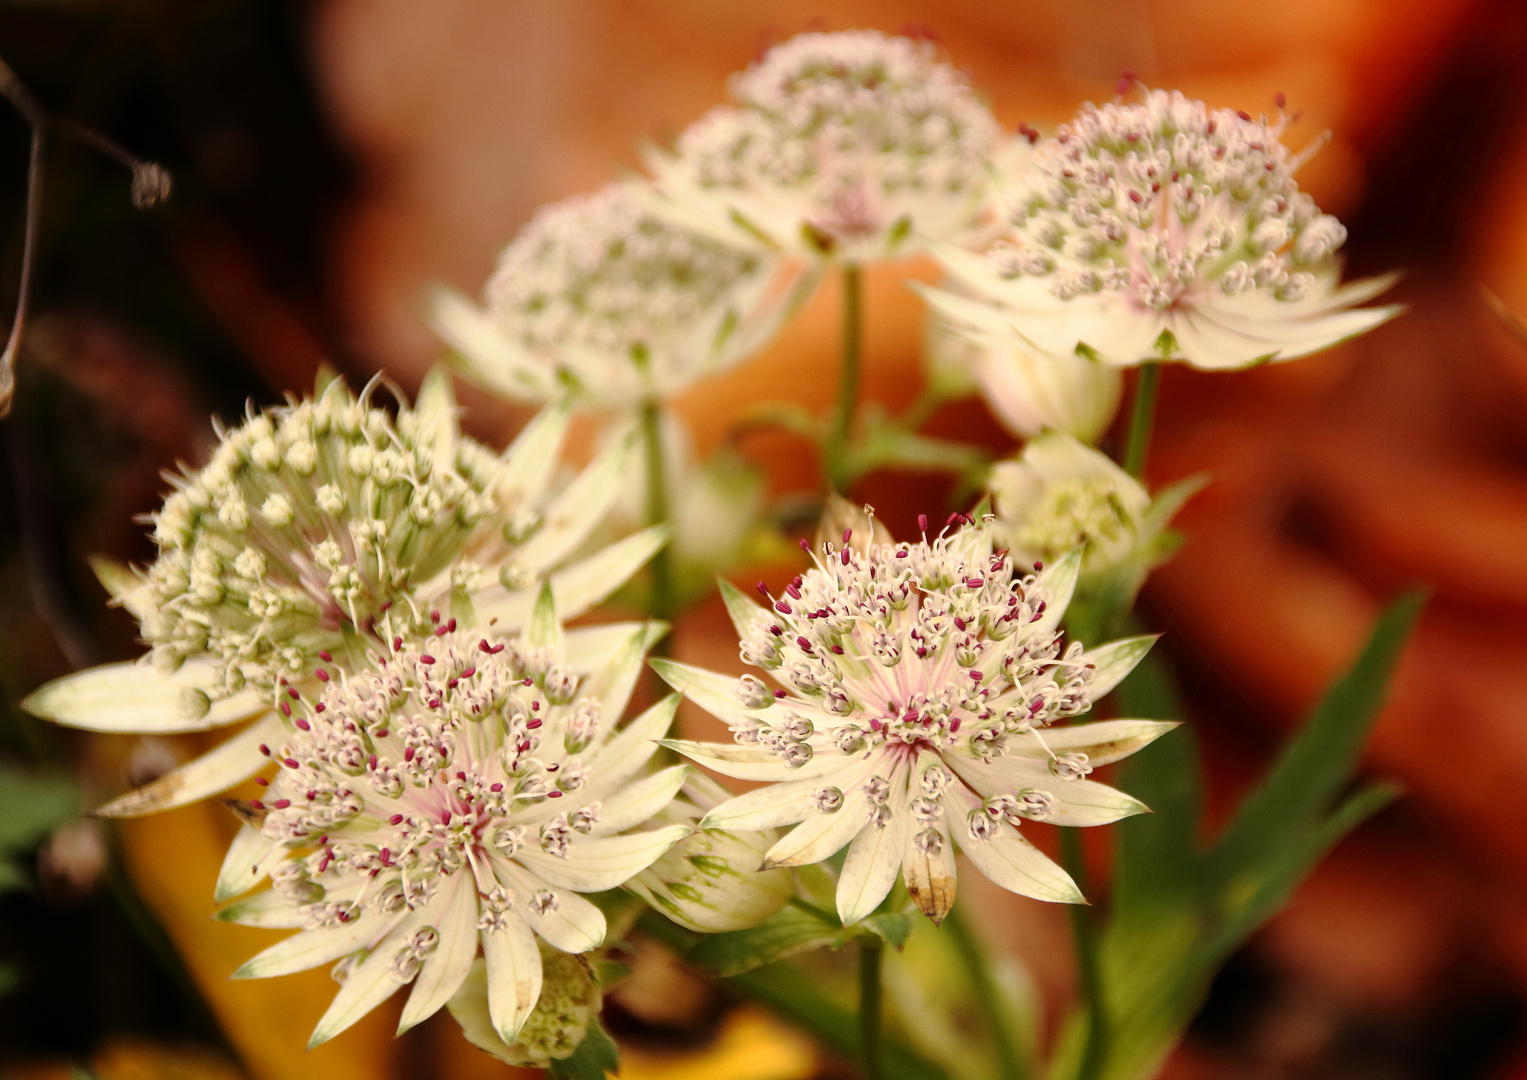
x: 922, y: 408
x: 1142, y: 417
x: 869, y: 1009
x: 661, y: 604
x: 848, y: 379
x: 1084, y: 933
x: 1010, y: 1066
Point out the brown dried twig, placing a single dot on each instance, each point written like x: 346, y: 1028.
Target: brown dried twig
x: 150, y: 187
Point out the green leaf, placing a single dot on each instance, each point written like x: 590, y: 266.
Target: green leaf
x: 892, y: 927
x: 786, y: 933
x: 596, y: 1056
x: 10, y: 978
x: 1319, y: 760
x: 32, y: 805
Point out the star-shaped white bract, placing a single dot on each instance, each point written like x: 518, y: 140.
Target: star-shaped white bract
x: 851, y: 146
x: 453, y: 794
x: 917, y: 688
x: 602, y: 298
x: 1163, y: 230
x: 312, y: 522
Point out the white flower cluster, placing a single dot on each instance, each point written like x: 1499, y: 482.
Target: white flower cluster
x: 853, y: 146
x: 456, y: 790
x: 917, y: 686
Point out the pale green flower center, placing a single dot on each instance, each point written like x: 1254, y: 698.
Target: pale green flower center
x: 1077, y: 512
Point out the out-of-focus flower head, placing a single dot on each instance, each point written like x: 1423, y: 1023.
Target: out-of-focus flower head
x: 713, y: 881
x: 1027, y: 390
x: 917, y: 686
x: 1060, y: 496
x: 453, y: 792
x: 313, y: 523
x: 603, y: 299
x: 569, y: 1001
x: 1164, y: 230
x: 851, y: 146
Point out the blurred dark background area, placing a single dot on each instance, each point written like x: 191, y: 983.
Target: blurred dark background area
x: 332, y: 159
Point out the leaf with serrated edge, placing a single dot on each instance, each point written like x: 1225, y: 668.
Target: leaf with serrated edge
x: 217, y: 770
x: 134, y: 697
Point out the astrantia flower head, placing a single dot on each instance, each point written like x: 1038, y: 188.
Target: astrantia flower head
x: 602, y: 298
x: 454, y: 792
x: 312, y: 523
x: 1166, y: 230
x: 1060, y: 496
x: 917, y: 688
x: 854, y: 146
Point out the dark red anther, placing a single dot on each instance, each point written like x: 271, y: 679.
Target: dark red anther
x: 257, y: 804
x: 783, y: 608
x: 450, y: 684
x: 803, y: 643
x: 397, y: 643
x: 535, y: 706
x: 282, y: 804
x: 779, y: 693
x: 875, y: 725
x: 1136, y: 198
x: 959, y: 622
x: 528, y: 682
x: 320, y: 707
x: 838, y: 649
x: 293, y: 693
x: 434, y: 616
x: 795, y: 593
x: 954, y: 726
x: 1126, y: 80
x: 806, y: 545
x: 441, y: 631
x: 396, y: 819
x: 303, y: 724
x: 469, y: 672
x: 847, y: 535
x: 922, y: 522
x: 1243, y: 114
x: 1279, y: 99
x: 383, y: 733
x: 371, y: 762
x: 1038, y: 566
x: 262, y: 781
x: 954, y: 519
x: 843, y: 558
x: 763, y: 590
x: 533, y: 723
x: 323, y: 654
x: 977, y: 676
x: 974, y: 583
x: 408, y: 754
x: 323, y: 676
x: 496, y: 787
x: 286, y: 708
x: 265, y: 750
x: 776, y: 631
x: 426, y: 658
x: 434, y: 703
x: 553, y: 794
x: 460, y: 775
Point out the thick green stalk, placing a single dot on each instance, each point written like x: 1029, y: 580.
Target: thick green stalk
x: 1010, y: 1065
x: 1142, y: 418
x: 869, y: 1008
x: 837, y: 449
x: 661, y: 602
x: 1084, y: 933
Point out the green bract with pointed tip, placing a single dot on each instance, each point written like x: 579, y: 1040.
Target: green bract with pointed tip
x: 455, y: 795
x: 314, y: 525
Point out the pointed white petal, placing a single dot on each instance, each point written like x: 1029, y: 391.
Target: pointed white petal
x: 930, y: 874
x: 573, y: 514
x: 134, y: 697
x: 373, y: 980
x: 1103, y: 742
x: 1058, y: 579
x: 1115, y: 660
x: 822, y: 835
x: 314, y: 947
x: 544, y: 629
x: 738, y: 606
x: 568, y: 923
x: 1007, y: 859
x: 613, y: 682
x: 265, y: 909
x: 754, y: 762
x: 484, y: 353
x: 249, y: 859
x: 217, y: 770
x: 581, y: 585
x: 766, y: 807
x: 435, y: 415
x: 630, y: 749
x: 594, y: 864
x: 875, y: 856
x: 710, y: 690
x: 635, y: 803
x: 121, y: 583
x: 529, y: 461
x: 455, y: 920
x: 514, y: 975
x: 591, y: 648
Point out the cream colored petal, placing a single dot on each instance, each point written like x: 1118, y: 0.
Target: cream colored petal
x: 217, y: 770
x: 134, y: 697
x: 754, y: 762
x: 444, y: 969
x: 372, y: 981
x: 530, y: 460
x: 594, y: 864
x: 637, y: 802
x: 574, y: 513
x: 249, y: 859
x: 264, y: 909
x: 875, y: 855
x: 1112, y: 662
x: 514, y: 975
x: 485, y: 354
x: 311, y: 948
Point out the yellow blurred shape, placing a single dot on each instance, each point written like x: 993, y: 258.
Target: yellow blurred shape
x: 751, y: 1045
x: 132, y: 1060
x: 174, y: 859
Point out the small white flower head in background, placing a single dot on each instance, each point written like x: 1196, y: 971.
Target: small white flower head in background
x: 1060, y: 495
x: 314, y: 522
x: 916, y: 689
x: 454, y: 792
x: 712, y: 882
x: 1026, y: 390
x: 602, y: 298
x: 851, y: 146
x: 1164, y: 230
